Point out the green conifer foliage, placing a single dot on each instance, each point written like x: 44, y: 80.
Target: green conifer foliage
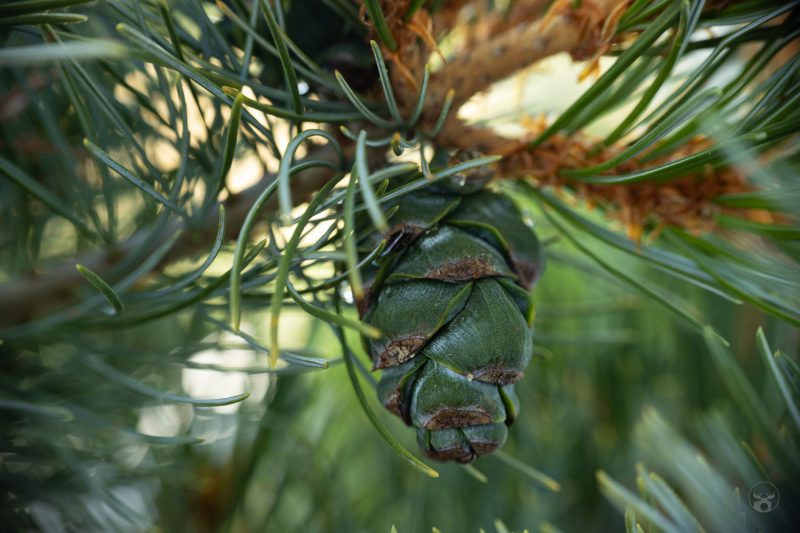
x: 191, y: 190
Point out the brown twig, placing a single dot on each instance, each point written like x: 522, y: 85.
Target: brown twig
x: 563, y: 29
x: 522, y: 11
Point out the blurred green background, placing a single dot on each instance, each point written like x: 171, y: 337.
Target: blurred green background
x: 300, y: 455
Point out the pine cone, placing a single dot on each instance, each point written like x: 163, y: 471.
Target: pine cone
x: 451, y: 297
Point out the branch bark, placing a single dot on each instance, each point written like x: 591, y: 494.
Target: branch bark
x: 579, y: 31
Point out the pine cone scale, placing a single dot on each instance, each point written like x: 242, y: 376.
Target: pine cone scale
x: 410, y: 314
x: 449, y: 254
x: 470, y: 346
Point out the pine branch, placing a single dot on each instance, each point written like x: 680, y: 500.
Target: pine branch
x: 579, y: 31
x: 24, y: 299
x: 88, y: 361
x: 521, y: 11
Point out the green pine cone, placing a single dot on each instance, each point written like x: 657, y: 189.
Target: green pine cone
x: 451, y: 297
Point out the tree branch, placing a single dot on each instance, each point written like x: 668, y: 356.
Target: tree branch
x: 26, y: 298
x: 687, y: 202
x: 579, y: 31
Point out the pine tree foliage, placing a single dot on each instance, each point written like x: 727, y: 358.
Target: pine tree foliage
x: 133, y: 264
